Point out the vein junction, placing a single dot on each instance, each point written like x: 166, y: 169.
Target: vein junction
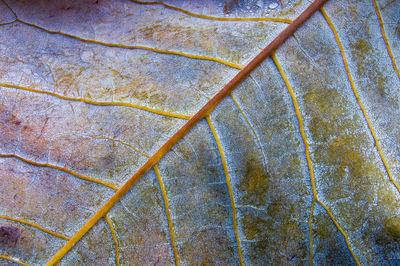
x: 310, y: 169
x: 35, y: 226
x: 60, y: 169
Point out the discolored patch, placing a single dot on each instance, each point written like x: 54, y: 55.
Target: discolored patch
x: 9, y: 235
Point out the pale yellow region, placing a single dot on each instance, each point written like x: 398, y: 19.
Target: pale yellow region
x: 35, y: 226
x: 115, y: 240
x: 59, y: 168
x: 310, y: 167
x: 378, y: 12
x: 167, y: 210
x: 4, y: 257
x: 144, y: 108
x: 353, y: 86
x: 230, y: 190
x: 283, y: 20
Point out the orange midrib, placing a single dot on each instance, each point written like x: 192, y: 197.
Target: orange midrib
x: 203, y: 112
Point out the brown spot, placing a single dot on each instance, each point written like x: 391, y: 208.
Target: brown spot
x: 9, y: 234
x: 230, y: 5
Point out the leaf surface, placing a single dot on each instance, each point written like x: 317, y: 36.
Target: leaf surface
x: 298, y: 165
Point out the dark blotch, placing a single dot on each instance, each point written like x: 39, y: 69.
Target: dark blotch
x: 9, y: 235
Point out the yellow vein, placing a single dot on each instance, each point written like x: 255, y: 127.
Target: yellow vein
x: 353, y: 86
x: 283, y: 20
x: 4, y: 257
x: 203, y: 112
x: 253, y: 130
x: 378, y: 12
x: 96, y: 102
x: 139, y: 47
x: 35, y: 226
x: 132, y: 47
x: 309, y: 163
x: 346, y: 238
x: 114, y: 237
x: 60, y: 169
x: 167, y: 210
x: 121, y: 142
x: 230, y: 189
x: 306, y: 148
x: 301, y: 123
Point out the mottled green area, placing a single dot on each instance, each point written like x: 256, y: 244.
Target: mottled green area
x: 273, y: 200
x: 199, y: 200
x: 372, y: 68
x: 96, y: 244
x: 329, y: 246
x: 141, y: 225
x: 348, y: 169
x: 265, y: 220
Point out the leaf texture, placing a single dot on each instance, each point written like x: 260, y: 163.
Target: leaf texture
x: 298, y: 165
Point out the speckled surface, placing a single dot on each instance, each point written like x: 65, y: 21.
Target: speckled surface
x: 299, y: 165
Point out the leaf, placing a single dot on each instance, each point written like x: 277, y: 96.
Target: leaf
x: 298, y: 165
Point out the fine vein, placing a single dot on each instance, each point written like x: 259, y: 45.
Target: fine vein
x: 203, y: 112
x: 253, y: 130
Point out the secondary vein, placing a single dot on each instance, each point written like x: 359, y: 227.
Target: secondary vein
x: 203, y: 112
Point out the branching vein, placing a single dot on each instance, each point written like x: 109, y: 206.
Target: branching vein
x: 310, y: 167
x: 63, y: 169
x: 144, y: 108
x: 203, y: 112
x: 41, y: 228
